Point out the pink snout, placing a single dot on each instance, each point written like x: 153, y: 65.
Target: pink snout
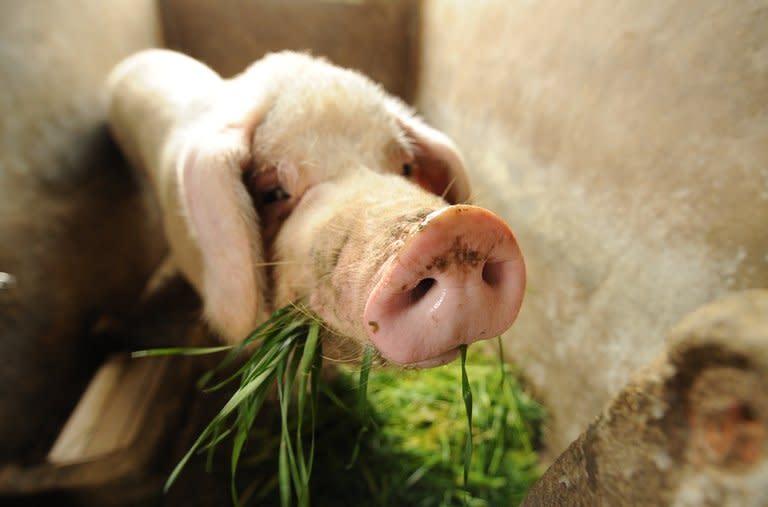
x: 458, y: 280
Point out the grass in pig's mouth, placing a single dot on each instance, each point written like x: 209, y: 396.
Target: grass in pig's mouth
x: 385, y: 436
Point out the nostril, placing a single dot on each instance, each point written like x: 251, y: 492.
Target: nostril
x: 421, y: 289
x: 458, y: 279
x: 493, y: 273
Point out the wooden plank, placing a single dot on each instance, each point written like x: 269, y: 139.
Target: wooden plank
x: 110, y: 413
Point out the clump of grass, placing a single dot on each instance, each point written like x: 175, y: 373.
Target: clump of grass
x: 384, y: 436
x: 417, y: 449
x: 285, y: 353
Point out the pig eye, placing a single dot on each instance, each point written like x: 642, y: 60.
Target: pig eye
x: 274, y: 195
x: 407, y: 170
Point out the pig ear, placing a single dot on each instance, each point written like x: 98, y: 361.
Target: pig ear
x: 225, y: 227
x: 439, y: 164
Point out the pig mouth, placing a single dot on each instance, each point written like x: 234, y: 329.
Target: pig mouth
x: 439, y: 360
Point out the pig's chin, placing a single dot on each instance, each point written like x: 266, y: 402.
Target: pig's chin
x: 432, y: 362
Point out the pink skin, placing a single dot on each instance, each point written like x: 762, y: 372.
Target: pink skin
x: 458, y: 280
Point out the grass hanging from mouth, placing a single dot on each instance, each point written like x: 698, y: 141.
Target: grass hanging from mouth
x: 466, y: 395
x: 415, y: 452
x: 285, y: 350
x: 390, y: 436
x: 362, y: 402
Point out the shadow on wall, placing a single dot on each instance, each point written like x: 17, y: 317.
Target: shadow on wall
x: 378, y: 37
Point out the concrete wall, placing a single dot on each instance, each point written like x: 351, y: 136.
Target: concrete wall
x: 378, y: 37
x: 627, y: 144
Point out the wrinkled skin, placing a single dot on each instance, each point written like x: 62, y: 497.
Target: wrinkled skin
x: 298, y: 180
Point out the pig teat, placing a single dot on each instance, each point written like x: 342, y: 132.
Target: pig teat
x: 459, y: 279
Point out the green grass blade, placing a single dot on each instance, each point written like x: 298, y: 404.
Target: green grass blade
x: 305, y: 368
x: 304, y: 371
x: 502, y: 364
x: 282, y: 322
x: 215, y: 439
x: 183, y: 461
x: 466, y: 394
x: 271, y: 334
x: 284, y: 475
x: 284, y: 383
x: 180, y: 351
x: 260, y: 382
x: 362, y: 388
x: 265, y: 353
x: 362, y: 402
x: 237, y: 447
x: 216, y: 431
x: 314, y: 386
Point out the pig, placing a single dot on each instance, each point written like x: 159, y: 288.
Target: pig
x: 78, y: 235
x: 688, y: 429
x: 298, y: 180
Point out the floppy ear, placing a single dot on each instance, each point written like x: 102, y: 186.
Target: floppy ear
x: 439, y: 165
x: 225, y: 227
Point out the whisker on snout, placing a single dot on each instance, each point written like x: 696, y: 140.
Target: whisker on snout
x: 448, y: 188
x: 476, y: 197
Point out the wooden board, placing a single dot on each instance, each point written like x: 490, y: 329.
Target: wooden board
x: 109, y: 416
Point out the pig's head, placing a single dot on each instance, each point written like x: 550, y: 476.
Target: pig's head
x: 356, y: 204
